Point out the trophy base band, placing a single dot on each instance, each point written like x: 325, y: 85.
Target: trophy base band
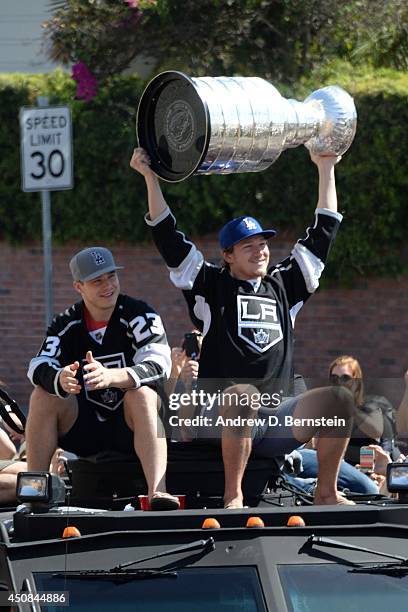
x: 173, y: 126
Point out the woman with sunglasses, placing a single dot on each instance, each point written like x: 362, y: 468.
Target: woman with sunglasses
x: 374, y: 421
x: 374, y: 426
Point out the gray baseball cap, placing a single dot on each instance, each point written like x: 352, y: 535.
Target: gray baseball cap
x: 91, y: 263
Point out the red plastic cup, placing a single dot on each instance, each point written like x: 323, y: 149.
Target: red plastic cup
x: 182, y: 500
x: 145, y: 504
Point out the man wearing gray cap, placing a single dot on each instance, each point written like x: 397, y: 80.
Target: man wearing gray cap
x: 97, y: 377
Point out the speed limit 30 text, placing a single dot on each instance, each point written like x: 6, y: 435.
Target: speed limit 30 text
x: 35, y: 126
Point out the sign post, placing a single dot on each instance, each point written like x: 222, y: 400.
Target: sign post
x: 47, y: 255
x: 46, y: 165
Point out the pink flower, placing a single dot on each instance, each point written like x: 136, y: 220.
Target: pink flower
x: 132, y: 3
x: 87, y: 84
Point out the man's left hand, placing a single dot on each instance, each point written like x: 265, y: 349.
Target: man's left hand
x: 327, y: 160
x: 97, y: 376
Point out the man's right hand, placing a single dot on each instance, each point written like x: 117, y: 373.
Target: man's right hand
x: 68, y: 380
x: 141, y: 163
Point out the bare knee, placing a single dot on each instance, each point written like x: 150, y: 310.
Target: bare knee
x: 336, y: 404
x: 15, y: 468
x: 326, y: 401
x: 144, y: 397
x: 39, y: 398
x: 46, y: 408
x: 239, y: 400
x: 42, y: 400
x: 139, y: 404
x: 8, y: 483
x: 343, y: 401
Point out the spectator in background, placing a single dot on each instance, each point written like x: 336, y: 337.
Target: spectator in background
x: 184, y: 373
x: 402, y: 414
x: 15, y: 442
x: 374, y: 421
x: 11, y: 440
x: 8, y: 479
x: 184, y: 362
x: 7, y: 447
x: 374, y: 427
x: 349, y: 476
x: 9, y: 466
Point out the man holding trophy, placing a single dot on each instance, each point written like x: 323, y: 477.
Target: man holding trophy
x: 246, y: 309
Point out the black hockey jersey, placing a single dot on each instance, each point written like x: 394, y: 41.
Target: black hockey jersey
x: 248, y: 333
x: 134, y: 339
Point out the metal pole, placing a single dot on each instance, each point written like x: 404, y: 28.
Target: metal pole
x: 47, y: 241
x: 47, y: 252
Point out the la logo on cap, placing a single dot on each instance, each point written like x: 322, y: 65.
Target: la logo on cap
x: 250, y: 224
x: 98, y: 258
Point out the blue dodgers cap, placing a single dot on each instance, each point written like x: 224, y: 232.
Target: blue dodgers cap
x: 240, y: 228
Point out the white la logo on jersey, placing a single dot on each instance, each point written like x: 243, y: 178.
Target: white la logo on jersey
x: 258, y: 322
x: 261, y: 337
x: 109, y: 396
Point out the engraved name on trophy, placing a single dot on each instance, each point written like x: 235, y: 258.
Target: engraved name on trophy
x: 224, y: 125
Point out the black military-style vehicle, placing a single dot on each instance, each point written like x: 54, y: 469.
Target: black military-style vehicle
x: 84, y: 543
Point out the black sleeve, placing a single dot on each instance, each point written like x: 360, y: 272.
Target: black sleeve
x: 321, y: 235
x: 188, y: 270
x: 45, y: 367
x: 301, y: 271
x: 152, y: 358
x: 172, y: 244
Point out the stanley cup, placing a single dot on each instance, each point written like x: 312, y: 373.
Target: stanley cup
x: 224, y: 125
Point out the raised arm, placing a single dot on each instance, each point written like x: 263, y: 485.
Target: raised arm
x: 141, y: 163
x: 327, y: 182
x: 301, y: 271
x: 182, y: 258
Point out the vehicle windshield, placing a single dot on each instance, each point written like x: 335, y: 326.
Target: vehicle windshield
x: 203, y: 589
x: 333, y: 587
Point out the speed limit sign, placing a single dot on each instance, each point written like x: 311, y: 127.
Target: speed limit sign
x: 46, y: 148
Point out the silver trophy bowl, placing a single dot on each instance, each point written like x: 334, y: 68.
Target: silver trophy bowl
x: 225, y: 125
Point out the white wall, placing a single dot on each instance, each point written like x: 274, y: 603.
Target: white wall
x: 21, y: 36
x: 21, y: 39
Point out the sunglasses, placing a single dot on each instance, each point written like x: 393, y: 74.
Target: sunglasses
x: 342, y: 379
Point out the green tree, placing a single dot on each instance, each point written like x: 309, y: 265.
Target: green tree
x: 280, y: 40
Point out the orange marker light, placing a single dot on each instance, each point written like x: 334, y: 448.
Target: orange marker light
x: 71, y: 532
x: 255, y: 521
x: 210, y: 523
x: 295, y: 521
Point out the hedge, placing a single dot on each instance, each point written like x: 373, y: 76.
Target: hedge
x: 108, y: 200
